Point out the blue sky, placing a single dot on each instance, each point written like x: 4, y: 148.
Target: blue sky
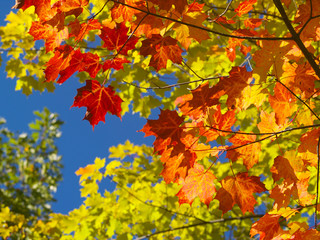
x: 79, y: 145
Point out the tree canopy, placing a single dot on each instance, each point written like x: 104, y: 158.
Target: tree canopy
x: 236, y: 149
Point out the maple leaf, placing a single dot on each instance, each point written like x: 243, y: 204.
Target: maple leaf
x: 42, y: 8
x: 185, y: 33
x: 166, y: 127
x: 53, y: 37
x: 268, y: 123
x: 253, y: 22
x: 309, y: 141
x: 58, y: 62
x: 71, y: 7
x: 176, y: 163
x: 200, y: 99
x: 249, y: 153
x: 81, y: 62
x: 296, y: 181
x: 239, y: 190
x: 79, y: 31
x: 75, y: 64
x: 161, y: 50
x: 147, y: 24
x: 234, y: 84
x: 283, y: 103
x: 283, y: 169
x: 118, y: 39
x: 216, y: 121
x: 198, y: 183
x: 122, y: 13
x: 271, y: 53
x: 267, y: 227
x: 99, y: 100
x: 115, y: 63
x: 245, y: 7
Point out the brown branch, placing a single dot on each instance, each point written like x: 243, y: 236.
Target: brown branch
x: 257, y: 134
x: 174, y: 85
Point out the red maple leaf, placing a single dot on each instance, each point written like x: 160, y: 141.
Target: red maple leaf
x: 161, y: 50
x: 198, y: 183
x: 239, y: 190
x: 234, y: 84
x: 79, y: 31
x: 115, y: 63
x: 166, y: 127
x: 99, y: 100
x: 88, y: 62
x: 118, y: 39
x: 197, y: 103
x: 58, y: 62
x: 167, y: 5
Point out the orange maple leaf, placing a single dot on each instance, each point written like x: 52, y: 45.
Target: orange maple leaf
x: 198, y: 183
x: 192, y: 15
x: 53, y: 38
x: 176, y: 163
x: 268, y: 123
x: 216, y: 124
x: 267, y: 227
x: 161, y: 50
x: 239, y: 190
x: 248, y: 153
x: 295, y: 181
x: 245, y: 7
x: 309, y: 141
x: 283, y: 103
x: 253, y: 22
x: 122, y: 13
x: 147, y: 25
x: 99, y: 100
x: 234, y: 84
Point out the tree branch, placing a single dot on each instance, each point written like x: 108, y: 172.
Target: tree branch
x: 200, y: 224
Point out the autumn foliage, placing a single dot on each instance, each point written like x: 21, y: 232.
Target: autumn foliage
x: 247, y: 94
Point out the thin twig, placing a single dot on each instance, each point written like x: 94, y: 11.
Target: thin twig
x: 199, y: 224
x: 205, y: 28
